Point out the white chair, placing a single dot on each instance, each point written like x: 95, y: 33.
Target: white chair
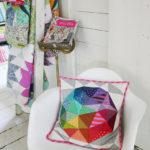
x: 45, y: 109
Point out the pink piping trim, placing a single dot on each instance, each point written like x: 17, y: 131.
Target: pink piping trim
x: 120, y: 134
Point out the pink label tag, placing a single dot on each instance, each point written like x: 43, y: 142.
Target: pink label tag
x: 66, y: 23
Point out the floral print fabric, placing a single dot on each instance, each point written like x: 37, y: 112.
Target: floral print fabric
x: 17, y: 24
x: 48, y: 56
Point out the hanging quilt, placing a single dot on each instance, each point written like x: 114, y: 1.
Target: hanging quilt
x: 21, y: 69
x: 17, y: 24
x: 20, y: 74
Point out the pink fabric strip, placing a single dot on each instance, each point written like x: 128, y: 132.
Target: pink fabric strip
x: 2, y: 56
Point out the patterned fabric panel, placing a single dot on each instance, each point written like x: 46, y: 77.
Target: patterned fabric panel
x: 17, y: 24
x: 90, y: 114
x: 20, y: 72
x: 61, y: 31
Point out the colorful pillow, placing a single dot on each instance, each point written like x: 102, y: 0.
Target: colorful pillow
x: 90, y: 114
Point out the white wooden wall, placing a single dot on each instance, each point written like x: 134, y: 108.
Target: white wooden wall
x: 92, y: 35
x: 129, y: 53
x: 39, y: 55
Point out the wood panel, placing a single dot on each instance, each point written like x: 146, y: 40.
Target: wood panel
x: 92, y: 36
x: 20, y: 144
x: 64, y: 8
x: 13, y: 135
x: 99, y: 6
x: 39, y: 55
x: 91, y: 20
x: 89, y: 56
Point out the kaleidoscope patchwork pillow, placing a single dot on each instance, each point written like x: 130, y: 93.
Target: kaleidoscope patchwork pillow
x: 90, y: 114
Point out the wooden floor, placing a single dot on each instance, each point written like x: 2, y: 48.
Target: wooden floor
x: 14, y: 136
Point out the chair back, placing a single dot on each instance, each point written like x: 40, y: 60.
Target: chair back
x: 134, y: 108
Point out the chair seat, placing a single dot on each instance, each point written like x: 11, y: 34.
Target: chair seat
x: 45, y: 110
x: 42, y: 118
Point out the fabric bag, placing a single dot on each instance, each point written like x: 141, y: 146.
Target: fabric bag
x: 17, y: 24
x: 61, y: 31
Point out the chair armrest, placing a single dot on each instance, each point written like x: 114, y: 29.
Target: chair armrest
x: 134, y: 110
x: 42, y: 117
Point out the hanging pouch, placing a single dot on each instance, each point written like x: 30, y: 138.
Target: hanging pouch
x: 17, y: 24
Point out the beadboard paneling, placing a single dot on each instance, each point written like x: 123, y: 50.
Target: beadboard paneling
x: 91, y: 36
x: 100, y: 6
x: 95, y: 20
x: 90, y: 55
x: 13, y: 134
